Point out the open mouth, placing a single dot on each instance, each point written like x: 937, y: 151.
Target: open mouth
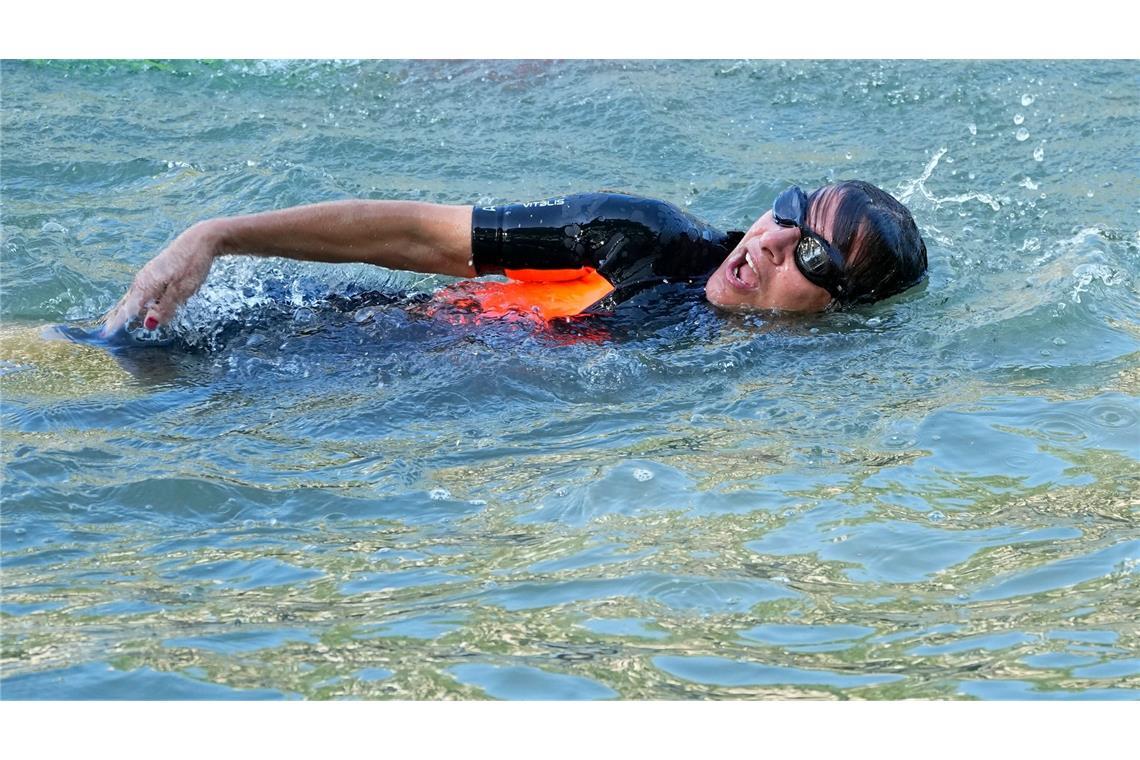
x: 741, y: 272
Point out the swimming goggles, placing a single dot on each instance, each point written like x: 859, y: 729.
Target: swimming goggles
x: 816, y: 259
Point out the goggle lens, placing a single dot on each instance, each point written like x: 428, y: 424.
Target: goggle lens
x: 818, y: 262
x: 813, y: 256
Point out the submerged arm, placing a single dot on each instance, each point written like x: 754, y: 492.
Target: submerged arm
x: 420, y: 237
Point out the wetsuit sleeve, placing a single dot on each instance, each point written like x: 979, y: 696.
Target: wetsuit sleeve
x: 633, y: 243
x: 535, y: 235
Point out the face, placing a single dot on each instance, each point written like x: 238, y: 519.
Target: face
x: 761, y: 272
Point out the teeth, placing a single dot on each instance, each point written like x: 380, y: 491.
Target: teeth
x: 748, y: 258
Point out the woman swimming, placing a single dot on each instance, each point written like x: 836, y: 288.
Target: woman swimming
x: 845, y: 243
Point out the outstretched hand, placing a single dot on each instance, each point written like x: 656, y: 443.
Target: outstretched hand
x: 167, y: 281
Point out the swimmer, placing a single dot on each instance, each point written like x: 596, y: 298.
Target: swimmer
x: 843, y: 244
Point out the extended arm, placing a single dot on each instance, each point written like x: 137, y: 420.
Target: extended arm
x: 421, y: 237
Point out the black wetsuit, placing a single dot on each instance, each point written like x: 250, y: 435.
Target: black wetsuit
x: 635, y: 243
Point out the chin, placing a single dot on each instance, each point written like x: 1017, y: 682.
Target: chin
x: 718, y: 295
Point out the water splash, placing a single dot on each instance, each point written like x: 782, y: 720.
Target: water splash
x: 919, y: 185
x: 1087, y: 274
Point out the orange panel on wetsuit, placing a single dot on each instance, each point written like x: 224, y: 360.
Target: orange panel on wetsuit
x: 562, y: 296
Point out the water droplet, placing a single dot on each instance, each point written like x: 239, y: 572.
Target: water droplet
x: 1027, y: 100
x: 973, y: 128
x: 848, y: 156
x: 1018, y: 119
x: 1039, y: 153
x: 642, y: 475
x: 365, y: 314
x: 1089, y: 193
x: 1022, y: 134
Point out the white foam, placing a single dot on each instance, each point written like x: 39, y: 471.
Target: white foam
x: 919, y: 185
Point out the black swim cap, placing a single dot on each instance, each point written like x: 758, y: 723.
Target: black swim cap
x: 877, y: 235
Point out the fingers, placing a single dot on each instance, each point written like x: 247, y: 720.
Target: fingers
x: 161, y: 310
x: 118, y: 317
x: 111, y: 320
x: 164, y: 284
x: 142, y: 296
x: 159, y: 313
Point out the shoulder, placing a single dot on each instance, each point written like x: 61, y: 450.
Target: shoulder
x: 625, y: 205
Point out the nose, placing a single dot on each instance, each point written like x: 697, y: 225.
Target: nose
x: 778, y: 240
x: 780, y: 236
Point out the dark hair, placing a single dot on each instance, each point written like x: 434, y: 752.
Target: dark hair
x: 877, y: 236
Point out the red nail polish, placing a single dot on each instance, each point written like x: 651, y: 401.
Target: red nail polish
x: 151, y: 323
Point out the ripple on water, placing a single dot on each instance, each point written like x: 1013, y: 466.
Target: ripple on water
x: 1058, y: 660
x: 119, y: 608
x: 622, y: 490
x: 720, y: 671
x: 371, y: 582
x: 989, y: 642
x: 636, y: 628
x: 1121, y: 668
x: 796, y: 636
x: 996, y: 689
x: 697, y: 594
x: 235, y: 642
x: 246, y: 574
x: 372, y: 674
x: 101, y: 681
x: 1053, y: 576
x: 890, y: 551
x: 426, y: 627
x: 527, y: 683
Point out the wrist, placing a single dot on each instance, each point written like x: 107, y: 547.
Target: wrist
x: 214, y: 235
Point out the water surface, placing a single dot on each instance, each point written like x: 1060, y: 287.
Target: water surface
x: 310, y: 489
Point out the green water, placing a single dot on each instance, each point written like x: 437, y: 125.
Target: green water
x: 932, y: 497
